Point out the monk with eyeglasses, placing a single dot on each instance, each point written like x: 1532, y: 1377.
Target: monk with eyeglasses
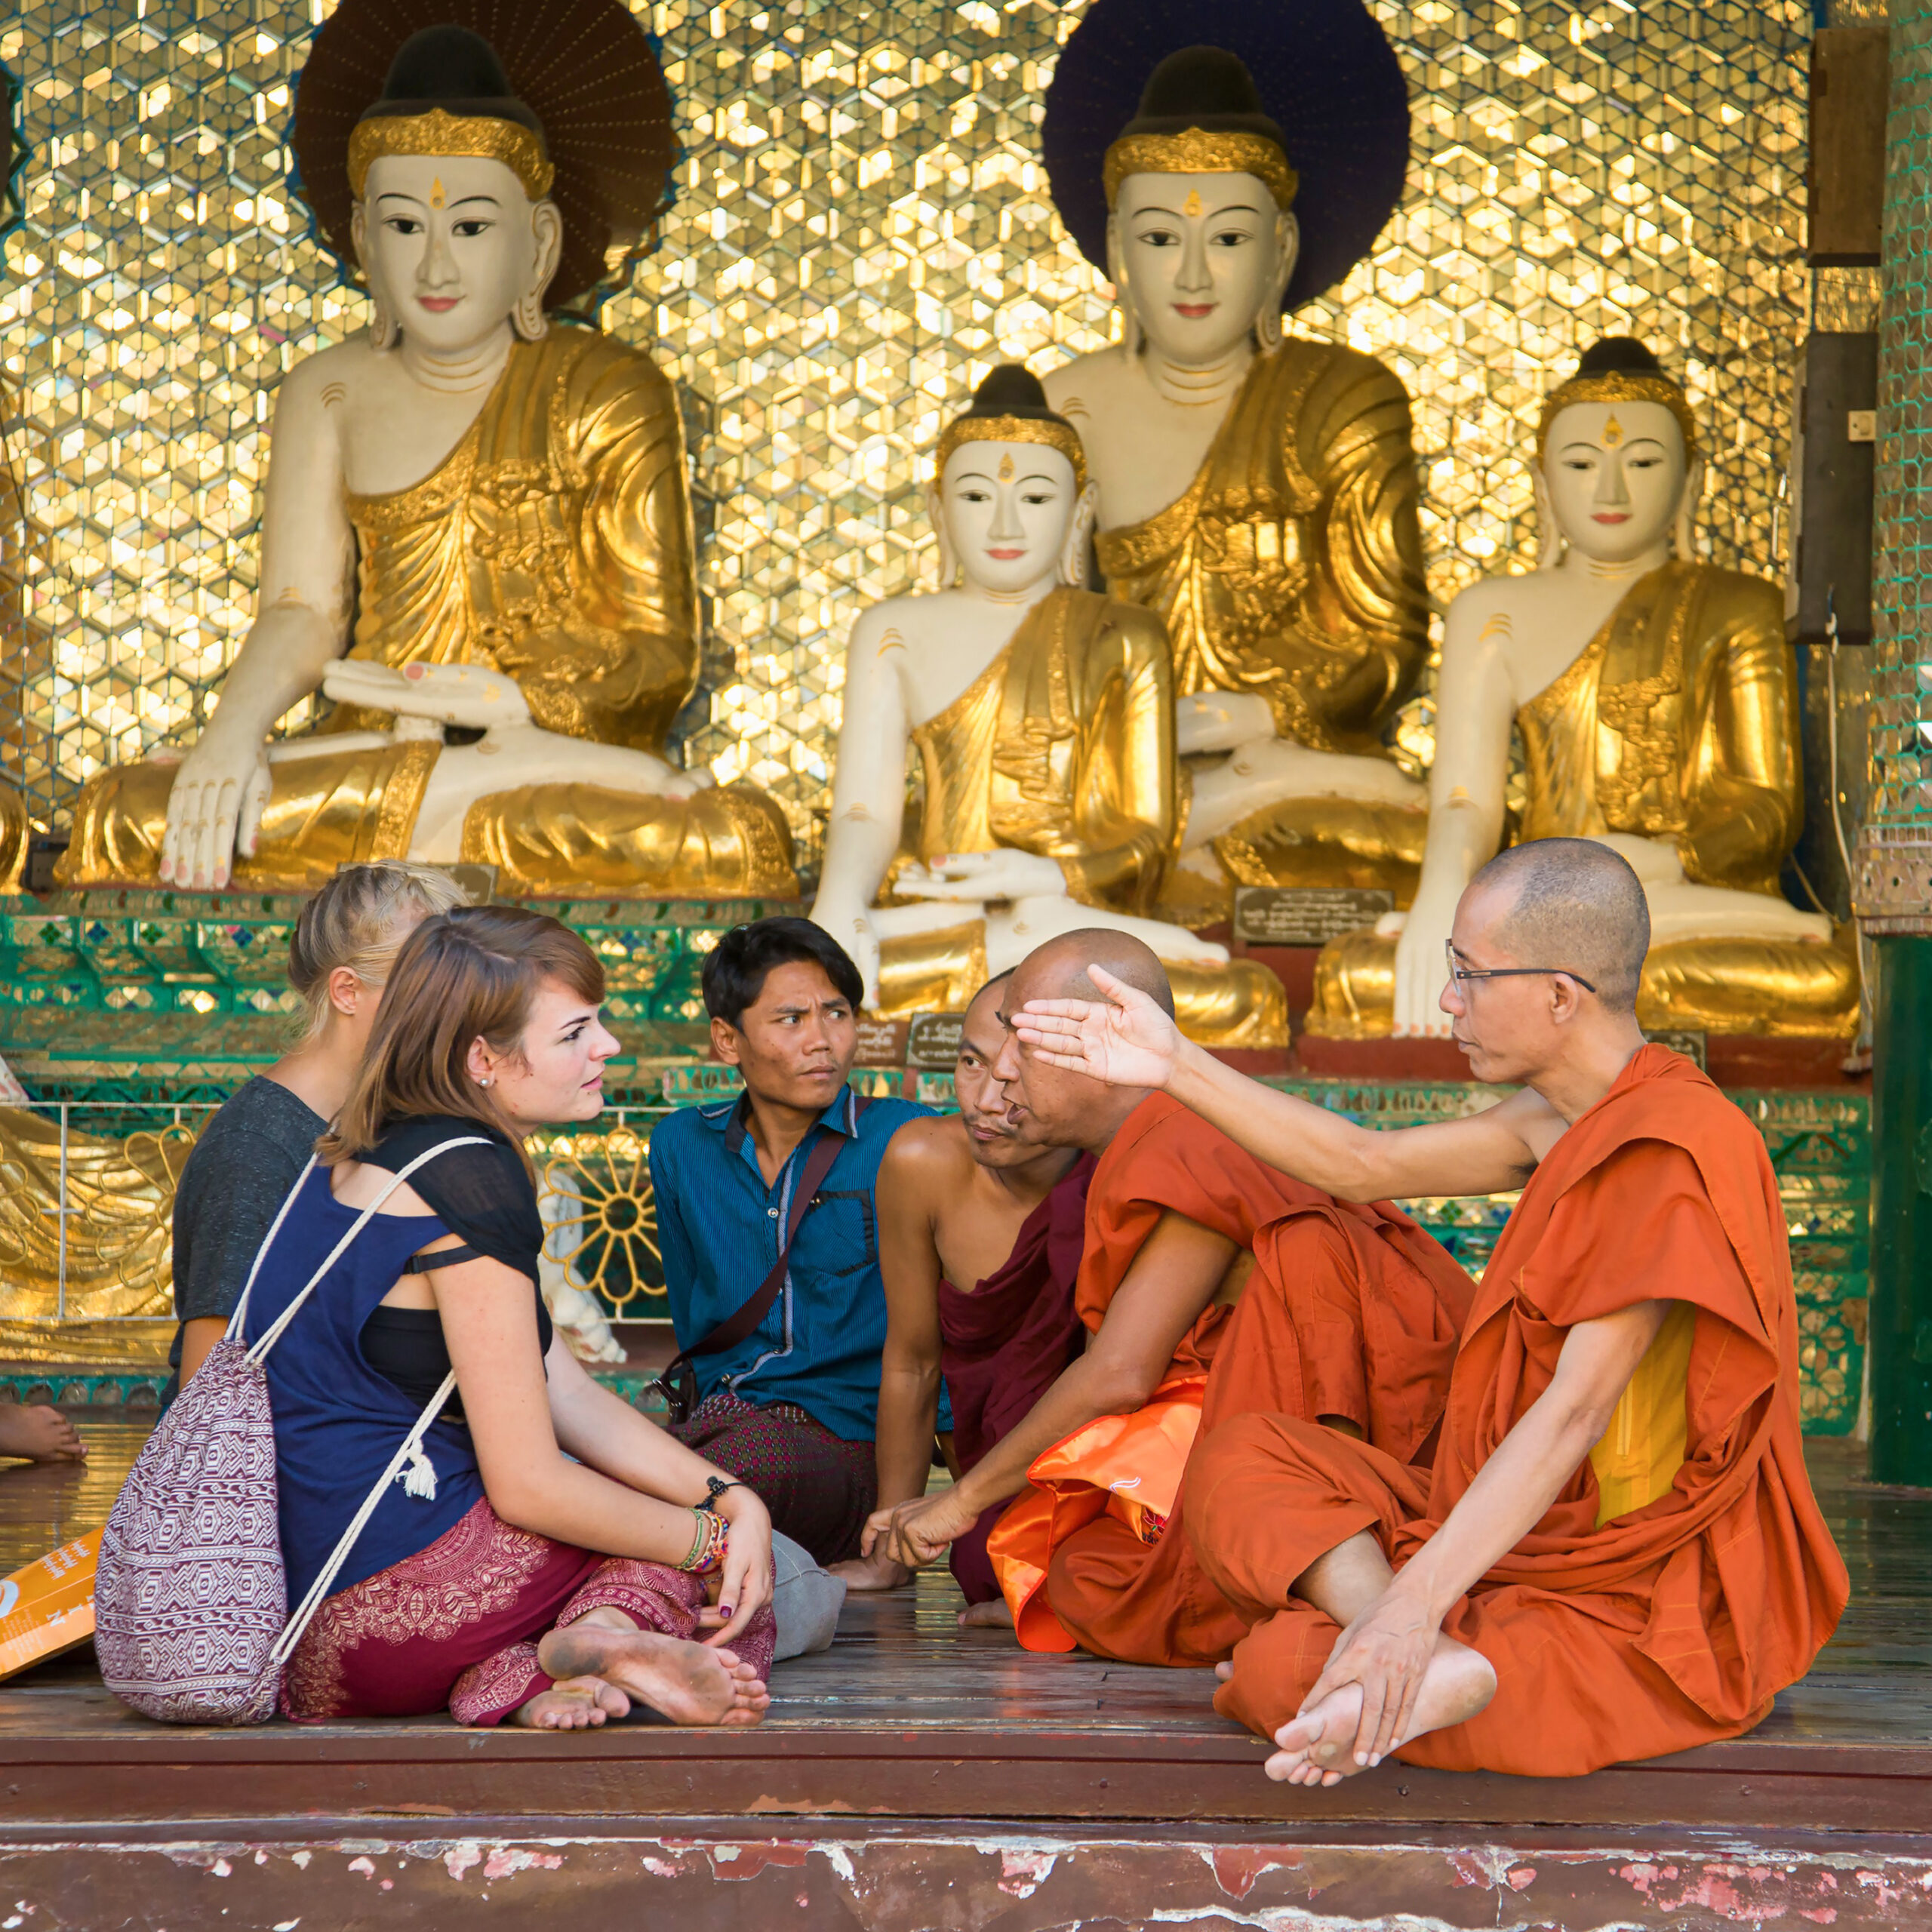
x: 1617, y: 1553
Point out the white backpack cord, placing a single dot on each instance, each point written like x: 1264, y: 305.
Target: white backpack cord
x: 258, y: 1352
x: 421, y: 1480
x: 411, y: 1451
x: 236, y: 1326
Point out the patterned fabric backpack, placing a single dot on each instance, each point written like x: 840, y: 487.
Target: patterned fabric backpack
x: 191, y: 1600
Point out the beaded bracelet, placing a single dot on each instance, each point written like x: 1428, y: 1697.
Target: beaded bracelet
x: 707, y: 1549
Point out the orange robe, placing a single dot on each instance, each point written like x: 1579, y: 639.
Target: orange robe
x: 1349, y: 1310
x: 1673, y: 1625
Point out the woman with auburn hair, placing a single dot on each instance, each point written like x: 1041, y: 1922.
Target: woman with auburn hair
x: 552, y: 1555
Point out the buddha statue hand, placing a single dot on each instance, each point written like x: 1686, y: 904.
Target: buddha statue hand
x: 851, y: 925
x: 471, y: 695
x: 214, y: 809
x: 1422, y: 940
x: 1006, y: 873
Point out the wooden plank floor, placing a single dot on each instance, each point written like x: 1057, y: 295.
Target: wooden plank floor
x: 908, y: 1717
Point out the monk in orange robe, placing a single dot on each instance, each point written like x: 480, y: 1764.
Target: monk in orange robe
x: 1209, y: 1285
x: 1616, y: 1552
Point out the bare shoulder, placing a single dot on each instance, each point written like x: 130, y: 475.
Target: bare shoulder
x: 360, y: 1184
x: 1077, y: 388
x: 928, y: 1159
x: 1531, y: 1118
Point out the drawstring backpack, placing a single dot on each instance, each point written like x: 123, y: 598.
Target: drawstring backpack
x: 191, y: 1599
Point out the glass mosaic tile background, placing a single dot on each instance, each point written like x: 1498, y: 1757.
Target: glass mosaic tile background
x: 1901, y: 730
x: 861, y: 229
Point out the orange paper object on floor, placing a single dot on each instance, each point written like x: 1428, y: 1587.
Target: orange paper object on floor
x: 1349, y: 1310
x: 48, y: 1606
x: 1672, y: 1626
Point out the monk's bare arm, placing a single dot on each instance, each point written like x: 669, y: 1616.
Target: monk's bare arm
x: 916, y: 1164
x: 1491, y: 1152
x: 1172, y: 1280
x: 1127, y: 1041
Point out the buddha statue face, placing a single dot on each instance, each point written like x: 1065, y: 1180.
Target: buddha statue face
x: 454, y: 248
x: 1010, y: 515
x: 1614, y: 477
x: 1200, y: 261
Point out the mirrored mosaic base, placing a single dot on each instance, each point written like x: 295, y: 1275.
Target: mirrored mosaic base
x: 861, y: 229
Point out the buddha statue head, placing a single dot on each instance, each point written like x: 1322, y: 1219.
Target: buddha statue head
x: 1617, y: 468
x: 453, y: 224
x: 1202, y: 241
x: 1010, y: 500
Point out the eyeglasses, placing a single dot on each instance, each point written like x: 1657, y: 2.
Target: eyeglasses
x: 1460, y: 975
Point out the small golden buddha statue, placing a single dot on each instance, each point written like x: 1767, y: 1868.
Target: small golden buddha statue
x: 1258, y: 492
x: 1042, y: 715
x: 489, y: 513
x: 1654, y: 696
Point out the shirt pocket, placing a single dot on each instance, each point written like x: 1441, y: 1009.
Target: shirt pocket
x: 839, y: 1236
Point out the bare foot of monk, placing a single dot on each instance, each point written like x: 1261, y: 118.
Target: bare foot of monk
x: 687, y: 1682
x: 994, y: 1616
x: 1224, y: 1670
x: 1317, y: 1748
x: 40, y: 1434
x: 578, y: 1703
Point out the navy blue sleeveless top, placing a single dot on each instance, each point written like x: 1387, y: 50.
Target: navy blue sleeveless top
x: 337, y: 1422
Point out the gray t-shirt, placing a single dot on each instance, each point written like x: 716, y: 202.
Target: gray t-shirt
x: 249, y: 1156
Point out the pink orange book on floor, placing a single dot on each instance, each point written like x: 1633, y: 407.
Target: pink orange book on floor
x: 48, y: 1606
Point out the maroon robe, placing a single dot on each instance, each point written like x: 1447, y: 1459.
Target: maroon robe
x: 1005, y: 1344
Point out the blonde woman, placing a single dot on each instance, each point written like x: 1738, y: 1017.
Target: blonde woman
x: 251, y: 1153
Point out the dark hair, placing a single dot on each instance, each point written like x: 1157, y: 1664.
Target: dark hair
x: 734, y: 972
x: 464, y: 975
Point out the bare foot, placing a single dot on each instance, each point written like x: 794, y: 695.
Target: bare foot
x: 1317, y: 1747
x: 1224, y: 1670
x: 871, y: 1572
x: 40, y: 1434
x: 994, y: 1616
x: 686, y: 1682
x: 578, y: 1703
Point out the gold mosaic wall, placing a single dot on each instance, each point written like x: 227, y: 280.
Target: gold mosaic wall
x: 861, y: 229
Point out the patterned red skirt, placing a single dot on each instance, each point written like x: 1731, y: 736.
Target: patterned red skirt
x: 456, y: 1626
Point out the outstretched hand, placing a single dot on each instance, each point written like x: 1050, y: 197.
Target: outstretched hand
x: 1125, y: 1040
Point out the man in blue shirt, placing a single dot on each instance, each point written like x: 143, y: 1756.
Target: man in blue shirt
x: 792, y: 1409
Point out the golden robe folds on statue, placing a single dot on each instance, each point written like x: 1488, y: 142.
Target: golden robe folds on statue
x: 1291, y: 566
x: 1063, y: 746
x: 1675, y: 722
x: 553, y: 544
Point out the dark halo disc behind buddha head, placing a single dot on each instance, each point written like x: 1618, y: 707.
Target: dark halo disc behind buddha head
x: 1320, y: 74
x: 583, y: 73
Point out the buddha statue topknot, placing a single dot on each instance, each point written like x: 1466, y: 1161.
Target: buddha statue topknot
x: 472, y: 518
x: 1655, y: 697
x: 1258, y: 490
x: 1041, y: 714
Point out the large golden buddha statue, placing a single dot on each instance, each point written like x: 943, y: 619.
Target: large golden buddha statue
x: 1654, y: 695
x: 487, y: 510
x: 1258, y: 492
x: 1042, y: 715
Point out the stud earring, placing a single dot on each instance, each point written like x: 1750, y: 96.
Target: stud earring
x: 486, y: 1080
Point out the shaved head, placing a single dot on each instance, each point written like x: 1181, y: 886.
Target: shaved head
x: 1058, y: 970
x: 1571, y: 902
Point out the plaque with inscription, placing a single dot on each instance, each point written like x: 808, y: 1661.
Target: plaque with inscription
x: 1681, y: 1040
x: 881, y: 1042
x: 1306, y: 915
x: 933, y: 1044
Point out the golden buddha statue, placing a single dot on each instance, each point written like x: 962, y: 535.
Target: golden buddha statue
x: 1654, y: 696
x: 1258, y: 492
x: 490, y: 512
x: 1043, y: 718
